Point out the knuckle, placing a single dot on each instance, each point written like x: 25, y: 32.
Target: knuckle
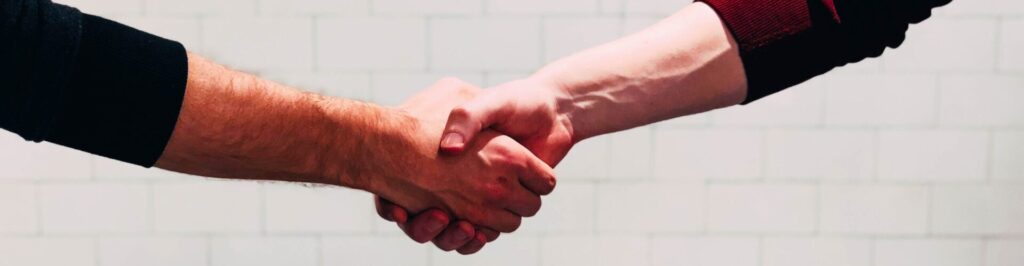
x: 514, y: 225
x: 496, y: 192
x: 460, y: 112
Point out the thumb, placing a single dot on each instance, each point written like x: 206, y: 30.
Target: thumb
x: 464, y: 122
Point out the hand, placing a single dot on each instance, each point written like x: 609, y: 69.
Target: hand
x: 532, y: 111
x: 526, y: 110
x: 434, y: 105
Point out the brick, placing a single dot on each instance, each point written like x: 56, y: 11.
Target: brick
x: 342, y: 85
x: 794, y: 251
x: 187, y: 31
x: 105, y: 168
x: 621, y: 156
x: 570, y: 209
x: 797, y: 106
x: 762, y: 208
x: 901, y: 252
x: 590, y: 250
x: 875, y: 210
x: 831, y: 154
x: 611, y: 6
x: 650, y: 207
x: 518, y: 250
x: 371, y: 43
x: 54, y: 251
x: 291, y: 208
x: 1004, y: 253
x: 566, y: 36
x: 712, y: 153
x: 436, y: 7
x: 718, y: 251
x: 18, y: 207
x: 393, y: 89
x: 981, y: 101
x: 152, y: 251
x: 374, y: 250
x: 233, y: 8
x: 880, y: 100
x: 978, y: 210
x: 255, y: 251
x: 662, y: 7
x: 260, y: 44
x: 485, y: 44
x: 106, y: 7
x: 1011, y: 58
x: 315, y: 7
x: 1007, y: 164
x: 982, y: 7
x: 630, y: 157
x: 932, y: 155
x: 541, y: 7
x: 966, y: 46
x: 207, y: 206
x: 589, y: 159
x: 24, y: 160
x: 94, y: 208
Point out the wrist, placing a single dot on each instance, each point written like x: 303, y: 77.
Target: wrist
x: 573, y: 104
x: 368, y: 143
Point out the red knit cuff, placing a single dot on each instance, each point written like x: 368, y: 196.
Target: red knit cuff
x: 758, y: 23
x: 782, y: 42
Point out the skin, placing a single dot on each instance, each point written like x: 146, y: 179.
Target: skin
x: 235, y: 125
x: 686, y: 64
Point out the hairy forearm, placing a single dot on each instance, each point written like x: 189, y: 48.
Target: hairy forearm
x: 685, y: 64
x: 235, y: 125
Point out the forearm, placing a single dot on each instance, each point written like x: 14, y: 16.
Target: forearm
x: 683, y: 65
x: 235, y: 125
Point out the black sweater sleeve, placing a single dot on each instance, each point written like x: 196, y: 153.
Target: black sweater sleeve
x: 88, y: 83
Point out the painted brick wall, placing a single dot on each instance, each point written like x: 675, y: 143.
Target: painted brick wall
x: 913, y: 159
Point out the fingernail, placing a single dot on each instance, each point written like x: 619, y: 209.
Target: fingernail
x: 453, y: 140
x: 461, y: 235
x: 435, y: 225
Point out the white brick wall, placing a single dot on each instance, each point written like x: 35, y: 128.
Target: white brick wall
x: 915, y: 159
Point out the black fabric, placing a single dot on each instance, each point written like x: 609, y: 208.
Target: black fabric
x: 88, y: 83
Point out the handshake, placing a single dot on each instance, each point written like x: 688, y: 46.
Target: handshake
x: 475, y: 163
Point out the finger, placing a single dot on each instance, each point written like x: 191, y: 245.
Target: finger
x: 475, y: 245
x: 501, y: 220
x: 538, y: 176
x: 464, y: 122
x: 522, y: 202
x: 427, y: 225
x: 389, y: 211
x: 489, y: 234
x: 457, y: 235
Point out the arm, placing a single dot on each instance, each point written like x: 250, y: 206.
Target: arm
x: 234, y: 125
x: 96, y: 85
x: 712, y: 54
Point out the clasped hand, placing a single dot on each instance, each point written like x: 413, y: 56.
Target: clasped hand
x: 482, y: 184
x: 485, y: 182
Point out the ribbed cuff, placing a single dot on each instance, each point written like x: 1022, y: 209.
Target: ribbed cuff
x: 126, y: 93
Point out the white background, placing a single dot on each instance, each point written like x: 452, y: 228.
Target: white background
x: 913, y: 159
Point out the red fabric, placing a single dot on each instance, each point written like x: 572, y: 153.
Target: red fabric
x: 786, y: 42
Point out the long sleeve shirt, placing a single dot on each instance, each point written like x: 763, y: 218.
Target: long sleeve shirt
x: 785, y: 42
x: 88, y: 83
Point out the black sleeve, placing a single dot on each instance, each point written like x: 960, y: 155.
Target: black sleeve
x: 88, y: 83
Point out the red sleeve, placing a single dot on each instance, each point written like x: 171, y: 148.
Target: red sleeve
x: 787, y: 42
